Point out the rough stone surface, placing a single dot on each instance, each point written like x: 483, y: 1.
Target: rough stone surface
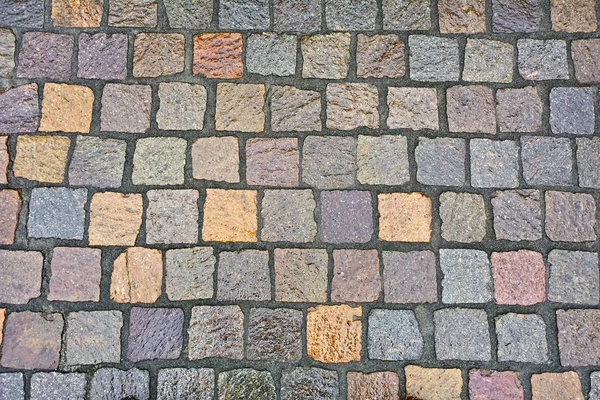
x: 409, y: 277
x: 374, y: 385
x: 22, y: 14
x: 519, y: 110
x: 7, y: 52
x: 471, y: 109
x: 243, y: 275
x: 216, y: 159
x: 241, y: 15
x: 230, y: 216
x: 329, y: 162
x: 133, y: 13
x: 58, y: 386
x: 433, y: 383
x: 517, y: 215
x: 57, y: 213
x: 189, y: 14
x: 155, y: 333
x: 574, y: 277
x: 288, y: 216
x: 487, y: 60
x: 247, y: 384
x: 182, y: 106
x: 309, y: 384
x: 571, y: 111
x: 394, y: 335
x: 172, y: 216
x: 494, y: 163
x: 4, y: 159
x: 348, y: 15
x: 333, y: 333
x: 84, y: 14
x: 10, y: 206
x: 296, y: 15
x: 115, y: 219
x: 441, y: 161
x: 125, y: 108
x: 102, y: 56
x: 41, y: 158
x: 19, y: 109
x: 573, y: 16
x: 185, y: 383
x: 159, y: 161
x: 274, y: 334
x: 462, y: 334
x: 463, y: 217
x: 588, y: 162
x: 379, y: 56
x: 20, y: 276
x: 13, y: 386
x: 218, y: 55
x: 156, y: 54
x: 586, y: 56
x: 467, y: 277
x: 216, y: 331
x: 240, y: 107
x: 433, y: 59
x: 519, y: 277
x: 271, y: 54
x: 546, y: 161
x: 112, y: 383
x: 272, y: 162
x: 76, y: 274
x: 521, y: 338
x: 570, y: 217
x: 356, y: 276
x: 495, y: 385
x: 97, y: 162
x: 412, y: 108
x: 577, y: 330
x: 45, y: 55
x: 542, y: 59
x: 352, y: 105
x: 326, y: 56
x: 137, y: 276
x: 553, y: 385
x: 382, y: 160
x: 346, y: 217
x: 404, y: 217
x: 31, y: 340
x: 516, y: 16
x: 189, y: 273
x: 301, y: 275
x: 293, y: 109
x: 406, y: 15
x: 93, y: 337
x: 462, y: 16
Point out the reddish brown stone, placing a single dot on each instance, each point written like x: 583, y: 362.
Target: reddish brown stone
x: 379, y: 56
x: 32, y: 340
x: 218, y: 55
x: 573, y: 15
x: 158, y: 54
x: 376, y: 385
x: 462, y: 16
x: 471, y: 109
x: 355, y: 276
x: 19, y: 109
x: 137, y: 276
x: 10, y: 205
x: 77, y: 13
x: 551, y: 386
x: 20, y: 276
x: 495, y: 385
x: 519, y: 277
x: 586, y: 58
x: 333, y: 333
x: 578, y: 332
x: 272, y: 162
x: 76, y: 274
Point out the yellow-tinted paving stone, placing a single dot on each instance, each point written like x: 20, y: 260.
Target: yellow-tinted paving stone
x: 404, y: 217
x: 115, y: 219
x: 230, y: 216
x: 2, y: 317
x: 41, y: 158
x: 137, y: 276
x: 77, y: 13
x: 333, y: 333
x: 66, y: 108
x: 553, y: 386
x: 432, y: 383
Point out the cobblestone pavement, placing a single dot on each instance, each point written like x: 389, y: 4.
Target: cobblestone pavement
x: 299, y: 199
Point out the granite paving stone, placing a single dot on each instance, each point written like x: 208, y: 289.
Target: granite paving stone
x: 487, y: 60
x: 296, y: 15
x: 523, y: 16
x: 125, y: 108
x: 272, y: 162
x: 271, y: 54
x: 467, y: 276
x: 115, y: 218
x: 216, y: 331
x: 412, y: 108
x: 41, y: 158
x: 490, y: 384
x: 542, y: 59
x: 155, y: 333
x: 172, y: 216
x: 463, y: 217
x: 574, y: 277
x: 406, y: 15
x: 288, y: 216
x: 382, y: 160
x: 394, y: 335
x: 300, y: 275
x: 85, y: 14
x: 433, y: 59
x: 329, y: 162
x: 294, y: 109
x: 240, y: 14
x: 471, y: 109
x: 586, y: 55
x: 230, y: 216
x: 12, y: 385
x: 189, y: 273
x: 7, y: 52
x: 519, y: 277
x: 575, y: 16
x: 189, y: 14
x: 102, y: 56
x: 133, y: 13
x: 10, y: 206
x: 461, y: 16
x: 517, y: 215
x: 404, y: 217
x: 309, y: 384
x: 326, y: 56
x: 576, y: 332
x: 380, y: 56
x: 159, y: 161
x: 346, y: 216
x: 588, y: 162
x: 97, y: 162
x: 521, y: 338
x: 191, y: 383
x: 546, y: 160
x: 519, y: 110
x: 333, y: 333
x: 572, y: 110
x: 494, y: 163
x: 351, y: 106
x: 377, y: 385
x: 113, y: 383
x: 218, y: 55
x: 93, y: 337
x: 240, y: 107
x: 349, y: 15
x: 356, y: 276
x: 19, y: 109
x: 57, y: 213
x: 274, y: 334
x: 556, y: 384
x: 216, y: 159
x: 409, y: 277
x: 137, y: 276
x: 58, y: 386
x: 45, y: 55
x: 243, y: 275
x: 462, y: 334
x: 21, y: 273
x: 441, y: 161
x: 182, y: 106
x: 433, y: 383
x: 26, y: 14
x: 570, y: 217
x: 247, y: 384
x: 76, y: 274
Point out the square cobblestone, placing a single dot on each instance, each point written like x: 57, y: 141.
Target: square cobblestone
x: 406, y: 15
x: 409, y: 277
x: 486, y: 384
x: 190, y: 15
x: 441, y: 161
x: 517, y: 215
x: 27, y: 14
x: 112, y: 383
x: 488, y: 61
x: 375, y: 385
x: 462, y: 334
x: 58, y: 386
x: 556, y: 384
x: 346, y: 217
x: 157, y: 54
x: 45, y: 55
x: 521, y: 338
x: 133, y: 13
x: 333, y: 333
x: 216, y: 331
x: 380, y: 56
x: 159, y: 161
x: 20, y: 276
x: 404, y: 217
x: 356, y: 276
x: 240, y: 14
x: 588, y: 162
x: 595, y: 386
x: 349, y: 15
x: 76, y: 274
x: 243, y: 275
x: 155, y: 333
x: 577, y: 330
x: 93, y: 337
x: 182, y: 106
x: 271, y: 54
x: 519, y: 277
x: 188, y: 383
x: 137, y: 276
x: 516, y: 16
x: 519, y: 110
x: 12, y: 385
x: 7, y: 52
x: 288, y: 216
x: 542, y: 59
x: 433, y: 59
x: 272, y: 162
x: 326, y: 56
x: 189, y: 273
x: 546, y: 161
x: 494, y: 163
x: 424, y: 383
x: 66, y: 108
x: 218, y: 55
x: 329, y: 162
x: 10, y: 207
x: 216, y: 159
x: 294, y: 109
x: 97, y: 162
x: 471, y: 109
x: 274, y: 334
x: 572, y: 110
x: 394, y: 335
x: 301, y: 275
x: 230, y: 216
x: 240, y: 107
x: 352, y: 105
x: 463, y: 217
x: 575, y: 16
x: 586, y: 55
x: 41, y: 158
x: 57, y: 213
x: 115, y: 219
x: 382, y: 160
x: 461, y: 16
x: 412, y: 108
x: 19, y: 109
x: 467, y: 277
x: 125, y: 108
x: 4, y: 159
x: 573, y: 277
x: 309, y: 384
x: 570, y: 217
x: 102, y: 56
x: 172, y: 216
x: 296, y: 15
x: 247, y: 384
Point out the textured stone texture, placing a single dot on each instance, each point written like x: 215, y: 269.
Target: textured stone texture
x: 58, y: 386
x: 272, y: 162
x: 156, y: 54
x: 240, y: 107
x: 84, y: 14
x: 412, y: 108
x: 115, y: 219
x: 4, y: 159
x: 20, y: 276
x: 552, y: 385
x: 406, y: 15
x: 182, y: 106
x: 394, y: 335
x: 25, y: 14
x: 243, y: 275
x: 102, y: 56
x: 577, y: 330
x: 516, y: 16
x: 301, y: 275
x: 519, y: 277
x: 467, y: 277
x: 271, y: 54
x: 433, y: 383
x: 189, y: 273
x: 97, y: 162
x: 409, y: 277
x: 216, y: 331
x: 216, y: 159
x: 309, y: 384
x: 288, y: 216
x: 247, y: 384
x: 76, y: 274
x: 588, y: 162
x: 570, y: 217
x: 346, y: 217
x: 19, y: 110
x: 517, y: 215
x: 333, y: 333
x: 352, y: 105
x: 374, y: 385
x: 348, y: 15
x: 274, y: 334
x: 521, y: 338
x: 571, y: 110
x: 356, y: 276
x: 195, y: 14
x: 573, y: 16
x: 404, y: 217
x: 574, y: 277
x: 329, y: 162
x: 32, y: 340
x: 463, y: 217
x: 133, y: 13
x: 542, y: 59
x: 296, y: 15
x: 155, y: 333
x: 379, y: 56
x: 441, y: 161
x: 462, y: 16
x: 137, y: 276
x: 125, y: 108
x: 462, y: 334
x: 487, y: 60
x: 185, y: 383
x: 41, y: 158
x: 57, y: 213
x: 293, y: 109
x: 326, y: 56
x: 494, y: 163
x: 546, y: 161
x: 218, y: 55
x: 471, y: 109
x: 382, y: 160
x: 172, y: 216
x: 495, y: 385
x: 45, y: 55
x: 230, y: 216
x: 519, y: 110
x: 433, y: 59
x: 240, y: 14
x: 93, y: 337
x: 7, y: 52
x: 594, y: 386
x: 13, y: 386
x: 159, y: 161
x: 586, y: 56
x: 112, y: 383
x: 10, y: 206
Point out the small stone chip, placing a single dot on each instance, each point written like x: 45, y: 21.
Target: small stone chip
x: 137, y: 276
x: 93, y: 337
x: 243, y: 275
x: 274, y: 334
x: 309, y: 384
x: 230, y: 216
x: 155, y: 333
x: 467, y: 277
x: 301, y: 275
x: 462, y: 334
x: 463, y: 217
x: 404, y: 217
x: 333, y: 333
x: 522, y: 338
x: 394, y: 335
x: 326, y: 56
x: 216, y: 159
x: 189, y: 273
x: 216, y: 331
